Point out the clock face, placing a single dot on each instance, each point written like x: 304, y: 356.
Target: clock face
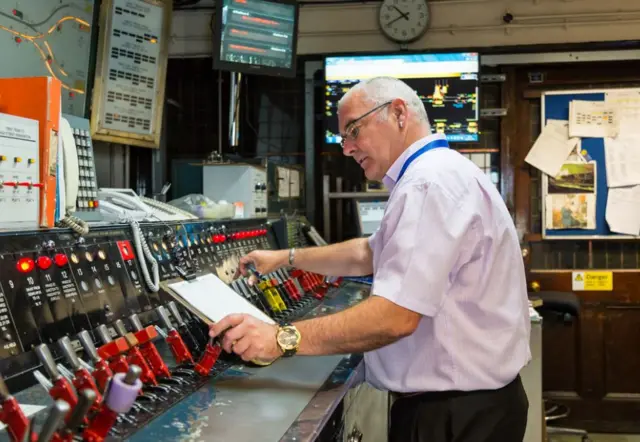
x: 404, y: 20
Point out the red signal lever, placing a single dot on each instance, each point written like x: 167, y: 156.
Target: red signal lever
x: 101, y: 371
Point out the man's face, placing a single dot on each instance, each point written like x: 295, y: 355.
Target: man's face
x: 367, y: 139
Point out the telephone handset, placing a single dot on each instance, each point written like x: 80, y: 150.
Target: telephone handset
x: 126, y: 203
x: 168, y: 208
x: 68, y: 180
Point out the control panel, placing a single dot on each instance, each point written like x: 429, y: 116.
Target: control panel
x: 86, y: 203
x: 79, y: 312
x: 19, y: 172
x: 243, y: 185
x: 295, y: 231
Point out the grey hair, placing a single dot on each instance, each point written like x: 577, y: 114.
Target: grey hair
x: 379, y: 90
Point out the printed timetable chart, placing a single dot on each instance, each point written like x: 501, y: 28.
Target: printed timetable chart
x: 131, y: 77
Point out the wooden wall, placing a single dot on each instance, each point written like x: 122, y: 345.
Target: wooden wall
x: 593, y: 364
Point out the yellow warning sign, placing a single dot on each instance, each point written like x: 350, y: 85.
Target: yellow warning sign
x: 592, y: 281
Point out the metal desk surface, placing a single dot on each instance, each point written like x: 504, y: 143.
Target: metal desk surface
x: 290, y: 400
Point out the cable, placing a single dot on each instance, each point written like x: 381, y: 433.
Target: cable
x: 76, y: 224
x: 142, y: 248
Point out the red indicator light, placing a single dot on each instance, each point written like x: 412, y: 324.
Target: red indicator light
x: 44, y: 262
x: 60, y: 260
x: 125, y: 250
x: 25, y: 265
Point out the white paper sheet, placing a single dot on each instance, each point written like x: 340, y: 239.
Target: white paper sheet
x: 214, y: 299
x: 623, y: 210
x: 294, y: 180
x: 622, y: 158
x: 627, y: 105
x: 552, y: 147
x: 284, y: 180
x: 592, y: 119
x: 28, y: 410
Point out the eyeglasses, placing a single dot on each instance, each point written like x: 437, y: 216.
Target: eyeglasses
x: 353, y: 130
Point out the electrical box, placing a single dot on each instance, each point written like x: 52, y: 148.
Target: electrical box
x: 240, y: 184
x: 19, y: 172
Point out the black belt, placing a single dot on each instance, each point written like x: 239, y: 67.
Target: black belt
x: 450, y: 394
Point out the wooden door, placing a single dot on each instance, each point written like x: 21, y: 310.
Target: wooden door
x: 592, y: 365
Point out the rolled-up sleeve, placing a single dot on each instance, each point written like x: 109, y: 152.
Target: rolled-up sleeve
x: 423, y: 237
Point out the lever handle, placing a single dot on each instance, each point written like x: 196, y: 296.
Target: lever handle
x: 86, y: 398
x: 164, y: 318
x: 69, y: 353
x: 176, y: 314
x: 103, y: 334
x: 120, y: 328
x: 4, y: 390
x: 47, y: 361
x: 87, y: 344
x: 135, y: 322
x: 54, y: 420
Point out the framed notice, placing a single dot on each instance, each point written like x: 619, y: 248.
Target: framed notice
x: 131, y: 67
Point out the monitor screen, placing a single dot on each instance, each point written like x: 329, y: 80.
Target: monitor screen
x: 256, y: 36
x: 446, y: 83
x: 370, y: 215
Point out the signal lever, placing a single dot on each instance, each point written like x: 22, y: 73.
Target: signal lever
x: 134, y: 355
x: 119, y: 398
x: 82, y: 379
x: 54, y: 420
x: 209, y: 358
x: 101, y: 371
x: 112, y: 350
x: 184, y: 328
x: 178, y: 348
x: 12, y: 416
x: 86, y: 401
x: 147, y: 347
x: 61, y: 388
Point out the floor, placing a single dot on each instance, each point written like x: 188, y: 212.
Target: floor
x: 598, y: 438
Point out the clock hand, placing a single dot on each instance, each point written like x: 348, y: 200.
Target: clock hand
x: 404, y: 15
x: 394, y: 20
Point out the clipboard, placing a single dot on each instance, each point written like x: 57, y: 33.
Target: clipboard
x: 210, y: 299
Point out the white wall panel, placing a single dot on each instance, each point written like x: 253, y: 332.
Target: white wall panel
x: 454, y: 23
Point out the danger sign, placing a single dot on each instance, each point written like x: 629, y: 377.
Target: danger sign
x: 592, y: 281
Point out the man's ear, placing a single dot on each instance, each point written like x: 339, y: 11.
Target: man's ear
x: 399, y: 109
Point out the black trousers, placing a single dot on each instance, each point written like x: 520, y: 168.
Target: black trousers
x: 455, y: 416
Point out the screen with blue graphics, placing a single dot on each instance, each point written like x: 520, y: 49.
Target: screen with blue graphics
x: 446, y: 83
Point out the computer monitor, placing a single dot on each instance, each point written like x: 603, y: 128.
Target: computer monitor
x: 447, y: 84
x: 256, y: 36
x: 370, y: 215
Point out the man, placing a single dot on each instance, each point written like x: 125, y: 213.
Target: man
x: 446, y: 329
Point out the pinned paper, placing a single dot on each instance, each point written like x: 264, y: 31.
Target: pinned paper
x: 592, y: 119
x: 552, y: 147
x: 623, y: 210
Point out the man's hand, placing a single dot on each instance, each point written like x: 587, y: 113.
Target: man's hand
x: 264, y: 262
x: 248, y: 337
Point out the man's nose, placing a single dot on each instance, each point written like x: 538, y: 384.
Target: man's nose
x: 348, y: 148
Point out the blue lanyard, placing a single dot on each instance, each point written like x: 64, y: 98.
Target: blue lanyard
x: 432, y: 145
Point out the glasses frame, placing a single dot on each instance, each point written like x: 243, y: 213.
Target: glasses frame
x: 352, y: 130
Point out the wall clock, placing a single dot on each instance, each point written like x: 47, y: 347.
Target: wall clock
x: 404, y: 21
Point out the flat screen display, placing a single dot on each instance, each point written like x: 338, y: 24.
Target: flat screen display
x: 256, y: 36
x: 370, y: 215
x: 446, y: 83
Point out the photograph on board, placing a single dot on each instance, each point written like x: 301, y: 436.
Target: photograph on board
x: 573, y: 177
x: 571, y: 197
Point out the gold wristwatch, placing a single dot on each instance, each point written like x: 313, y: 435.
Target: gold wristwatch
x: 288, y: 338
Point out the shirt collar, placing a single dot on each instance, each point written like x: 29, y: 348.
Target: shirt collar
x: 391, y: 177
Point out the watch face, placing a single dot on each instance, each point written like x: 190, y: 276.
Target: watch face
x: 404, y: 20
x: 288, y: 338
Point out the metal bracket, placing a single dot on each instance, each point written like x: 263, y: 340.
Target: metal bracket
x: 493, y: 78
x: 498, y: 112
